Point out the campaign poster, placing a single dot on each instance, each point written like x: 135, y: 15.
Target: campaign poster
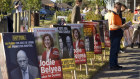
x: 89, y: 39
x: 106, y: 34
x: 48, y: 52
x: 66, y: 47
x: 78, y: 43
x: 21, y: 56
x: 128, y: 35
x: 97, y: 39
x: 101, y: 29
x: 83, y: 17
x: 3, y: 65
x: 61, y: 20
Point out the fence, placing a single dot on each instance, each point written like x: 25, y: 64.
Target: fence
x: 25, y: 20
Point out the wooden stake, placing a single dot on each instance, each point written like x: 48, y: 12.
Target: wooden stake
x: 86, y: 69
x: 80, y: 67
x: 75, y: 75
x: 18, y: 22
x: 14, y: 22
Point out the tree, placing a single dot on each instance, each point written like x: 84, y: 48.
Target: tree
x: 69, y: 2
x: 99, y: 3
x: 33, y: 5
x: 5, y: 5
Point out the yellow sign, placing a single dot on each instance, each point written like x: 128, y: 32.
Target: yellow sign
x: 90, y: 54
x: 103, y: 45
x: 68, y: 64
x: 139, y: 18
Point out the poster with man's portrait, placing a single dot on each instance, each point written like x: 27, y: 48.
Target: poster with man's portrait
x: 48, y: 52
x: 66, y: 47
x: 21, y: 56
x: 89, y: 38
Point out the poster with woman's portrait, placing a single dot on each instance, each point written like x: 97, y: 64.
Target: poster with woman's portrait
x: 78, y: 43
x: 101, y: 29
x: 97, y: 39
x: 106, y: 34
x: 48, y: 52
x: 61, y: 20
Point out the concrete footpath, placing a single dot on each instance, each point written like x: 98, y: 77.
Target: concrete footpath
x: 131, y: 63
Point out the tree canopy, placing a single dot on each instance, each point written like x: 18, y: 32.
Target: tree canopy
x: 33, y: 5
x: 5, y: 5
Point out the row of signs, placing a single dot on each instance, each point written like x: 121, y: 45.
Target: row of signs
x: 47, y: 51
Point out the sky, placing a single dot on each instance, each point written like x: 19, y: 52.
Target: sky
x: 53, y: 0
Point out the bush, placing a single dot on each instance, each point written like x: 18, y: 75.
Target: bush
x: 69, y: 18
x: 128, y: 16
x: 63, y: 13
x: 92, y: 16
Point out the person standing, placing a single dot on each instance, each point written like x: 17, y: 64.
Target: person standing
x: 122, y: 9
x: 136, y: 32
x: 103, y: 12
x: 115, y: 25
x: 76, y: 15
x: 18, y: 6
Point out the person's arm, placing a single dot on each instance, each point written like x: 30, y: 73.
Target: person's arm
x: 16, y: 6
x: 113, y: 26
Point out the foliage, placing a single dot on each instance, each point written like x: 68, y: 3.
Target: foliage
x: 99, y: 2
x: 5, y: 5
x: 69, y: 2
x: 92, y: 16
x: 63, y: 13
x: 69, y: 18
x: 33, y: 5
x: 128, y: 16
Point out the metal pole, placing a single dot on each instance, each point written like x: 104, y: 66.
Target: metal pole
x: 126, y: 3
x: 134, y: 4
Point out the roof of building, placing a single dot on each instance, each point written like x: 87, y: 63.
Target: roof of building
x: 63, y: 5
x: 48, y: 3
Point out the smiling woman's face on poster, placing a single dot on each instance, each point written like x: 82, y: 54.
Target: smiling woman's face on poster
x: 76, y: 34
x: 47, y: 41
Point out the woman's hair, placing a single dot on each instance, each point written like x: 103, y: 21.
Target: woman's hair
x: 79, y: 35
x: 51, y: 39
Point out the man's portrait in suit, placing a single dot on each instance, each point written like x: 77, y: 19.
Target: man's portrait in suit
x: 87, y: 44
x: 63, y: 49
x: 69, y: 46
x: 25, y: 70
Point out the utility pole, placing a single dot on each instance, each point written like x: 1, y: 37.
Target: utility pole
x: 126, y: 3
x: 134, y: 4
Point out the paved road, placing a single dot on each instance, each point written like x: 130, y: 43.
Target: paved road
x: 131, y: 63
